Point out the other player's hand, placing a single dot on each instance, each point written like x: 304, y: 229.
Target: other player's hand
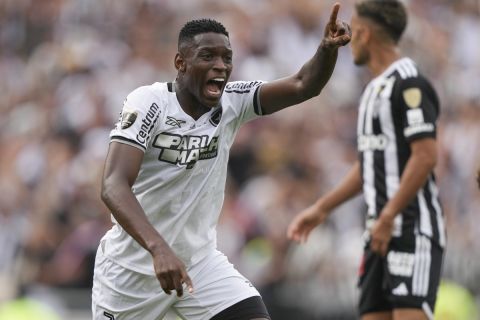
x: 301, y: 226
x: 171, y: 272
x: 381, y: 234
x: 337, y: 32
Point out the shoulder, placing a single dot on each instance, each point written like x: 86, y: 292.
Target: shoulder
x: 408, y: 75
x: 153, y: 91
x: 411, y: 82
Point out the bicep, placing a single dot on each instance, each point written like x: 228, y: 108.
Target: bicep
x: 424, y: 149
x: 280, y: 94
x: 122, y: 163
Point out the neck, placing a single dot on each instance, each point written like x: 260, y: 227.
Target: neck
x: 189, y: 104
x: 381, y: 57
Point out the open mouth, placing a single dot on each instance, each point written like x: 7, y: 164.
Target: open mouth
x: 214, y: 87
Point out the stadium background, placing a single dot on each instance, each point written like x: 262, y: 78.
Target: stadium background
x: 66, y: 67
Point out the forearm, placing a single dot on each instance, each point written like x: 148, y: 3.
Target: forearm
x: 414, y: 177
x: 316, y: 72
x: 350, y: 186
x: 126, y: 209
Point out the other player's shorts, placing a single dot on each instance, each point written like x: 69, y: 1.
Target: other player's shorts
x: 407, y: 277
x: 123, y: 294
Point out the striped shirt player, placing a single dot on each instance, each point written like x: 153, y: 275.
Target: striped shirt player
x: 397, y: 107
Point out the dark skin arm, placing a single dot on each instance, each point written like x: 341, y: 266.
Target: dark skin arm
x: 121, y: 169
x: 419, y: 166
x: 312, y: 77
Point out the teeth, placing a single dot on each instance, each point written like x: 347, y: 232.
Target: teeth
x: 219, y: 79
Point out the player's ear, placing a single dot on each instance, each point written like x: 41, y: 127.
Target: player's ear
x: 179, y: 62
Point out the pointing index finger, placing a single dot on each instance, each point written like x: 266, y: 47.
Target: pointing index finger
x: 333, y: 15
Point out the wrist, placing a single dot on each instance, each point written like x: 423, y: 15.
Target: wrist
x: 388, y: 215
x: 328, y: 47
x: 156, y: 247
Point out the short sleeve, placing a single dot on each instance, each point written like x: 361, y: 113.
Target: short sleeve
x: 418, y: 105
x: 138, y: 118
x: 244, y: 96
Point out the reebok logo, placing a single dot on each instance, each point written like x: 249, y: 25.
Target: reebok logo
x: 171, y: 121
x: 400, y: 290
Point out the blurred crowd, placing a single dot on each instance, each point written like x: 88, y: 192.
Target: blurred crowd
x: 67, y: 65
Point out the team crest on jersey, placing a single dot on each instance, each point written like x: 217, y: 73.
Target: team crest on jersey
x: 171, y: 121
x: 412, y: 97
x: 128, y: 118
x: 216, y: 116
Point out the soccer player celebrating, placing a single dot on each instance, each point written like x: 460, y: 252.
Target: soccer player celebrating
x: 164, y: 180
x: 405, y: 237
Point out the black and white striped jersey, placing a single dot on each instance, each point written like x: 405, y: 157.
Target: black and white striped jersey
x: 396, y: 108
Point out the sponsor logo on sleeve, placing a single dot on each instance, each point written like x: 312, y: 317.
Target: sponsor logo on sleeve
x: 148, y: 123
x: 412, y: 97
x: 415, y: 116
x: 241, y: 87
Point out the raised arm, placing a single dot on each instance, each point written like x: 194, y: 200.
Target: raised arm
x: 314, y: 74
x: 121, y: 169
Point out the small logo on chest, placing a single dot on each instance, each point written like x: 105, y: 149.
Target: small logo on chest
x: 171, y: 121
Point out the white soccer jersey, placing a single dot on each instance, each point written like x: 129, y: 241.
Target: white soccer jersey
x: 181, y: 182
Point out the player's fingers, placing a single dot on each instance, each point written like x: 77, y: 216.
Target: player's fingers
x: 341, y: 41
x: 374, y: 245
x: 186, y: 279
x: 343, y: 28
x: 178, y: 285
x: 333, y: 16
x: 384, y: 249
x: 291, y: 231
x: 304, y: 237
x: 164, y: 285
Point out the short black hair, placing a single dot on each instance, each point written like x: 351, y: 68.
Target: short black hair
x: 199, y: 26
x: 391, y: 15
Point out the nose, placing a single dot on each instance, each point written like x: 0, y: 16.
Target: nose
x: 219, y: 64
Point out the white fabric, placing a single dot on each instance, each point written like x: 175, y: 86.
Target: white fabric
x: 126, y: 294
x: 182, y: 199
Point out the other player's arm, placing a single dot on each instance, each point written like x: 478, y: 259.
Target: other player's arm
x: 301, y: 226
x: 121, y: 169
x: 419, y: 166
x: 478, y: 177
x: 312, y: 77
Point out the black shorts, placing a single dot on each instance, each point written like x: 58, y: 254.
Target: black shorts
x: 407, y: 277
x: 247, y: 309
